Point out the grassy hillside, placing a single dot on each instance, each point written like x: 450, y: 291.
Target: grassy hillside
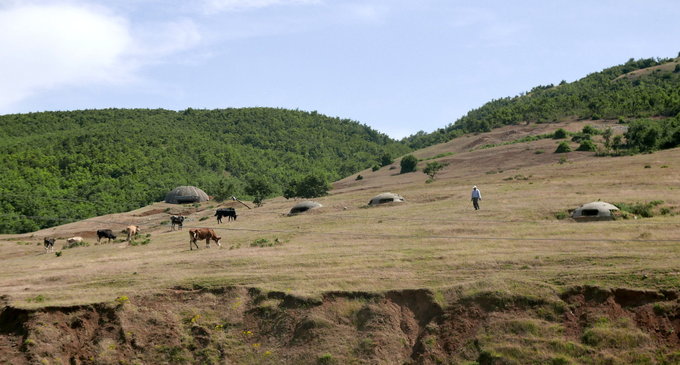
x: 636, y: 89
x: 66, y: 166
x: 426, y: 281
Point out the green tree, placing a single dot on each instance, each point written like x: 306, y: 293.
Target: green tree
x: 432, y: 168
x: 228, y: 187
x: 311, y: 186
x: 259, y: 188
x: 408, y: 164
x: 607, y: 137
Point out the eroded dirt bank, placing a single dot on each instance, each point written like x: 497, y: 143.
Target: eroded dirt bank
x: 246, y: 326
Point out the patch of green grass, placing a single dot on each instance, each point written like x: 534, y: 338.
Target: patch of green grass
x: 645, y: 210
x: 325, y: 359
x: 437, y: 156
x: 263, y: 242
x: 619, y: 334
x: 37, y: 299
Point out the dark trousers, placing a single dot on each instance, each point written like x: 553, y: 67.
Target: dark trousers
x: 475, y: 203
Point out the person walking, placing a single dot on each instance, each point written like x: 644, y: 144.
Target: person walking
x: 476, y: 197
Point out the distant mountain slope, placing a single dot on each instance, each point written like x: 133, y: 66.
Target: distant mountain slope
x: 636, y: 89
x: 80, y: 164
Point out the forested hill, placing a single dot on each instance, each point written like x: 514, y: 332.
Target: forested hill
x: 79, y: 164
x: 636, y: 89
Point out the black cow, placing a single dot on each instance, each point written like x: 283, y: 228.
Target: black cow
x: 49, y: 244
x: 106, y: 233
x: 230, y: 213
x: 177, y: 220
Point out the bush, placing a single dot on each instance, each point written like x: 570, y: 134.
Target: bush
x: 587, y: 145
x: 359, y: 177
x: 563, y: 147
x: 375, y: 168
x: 408, y: 164
x: 560, y: 134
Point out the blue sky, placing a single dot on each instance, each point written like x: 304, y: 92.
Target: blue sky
x: 398, y: 66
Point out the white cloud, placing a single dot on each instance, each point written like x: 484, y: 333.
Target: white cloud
x: 48, y: 46
x: 215, y: 6
x: 45, y: 46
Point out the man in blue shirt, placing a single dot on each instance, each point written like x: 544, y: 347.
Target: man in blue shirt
x: 476, y: 197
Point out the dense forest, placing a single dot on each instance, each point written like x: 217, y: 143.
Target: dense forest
x: 67, y: 166
x: 636, y: 89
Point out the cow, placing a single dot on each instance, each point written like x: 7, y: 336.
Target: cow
x: 106, y: 233
x: 131, y: 231
x: 49, y: 244
x: 177, y: 220
x: 230, y: 213
x: 206, y: 234
x: 76, y: 239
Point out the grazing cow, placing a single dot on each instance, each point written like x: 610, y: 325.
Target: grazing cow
x: 177, y: 220
x: 49, y: 244
x: 106, y: 233
x: 131, y: 231
x: 230, y: 213
x: 76, y: 239
x: 206, y: 234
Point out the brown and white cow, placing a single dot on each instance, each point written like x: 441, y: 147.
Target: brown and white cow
x: 206, y: 234
x: 131, y: 231
x: 76, y: 239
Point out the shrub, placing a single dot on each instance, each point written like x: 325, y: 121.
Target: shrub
x: 587, y: 145
x: 375, y: 168
x: 359, y: 177
x: 589, y: 129
x: 560, y: 134
x: 563, y: 147
x: 408, y: 164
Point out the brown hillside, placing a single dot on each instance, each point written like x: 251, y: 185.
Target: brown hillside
x: 425, y: 281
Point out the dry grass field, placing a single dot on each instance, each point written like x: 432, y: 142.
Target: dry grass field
x: 513, y: 247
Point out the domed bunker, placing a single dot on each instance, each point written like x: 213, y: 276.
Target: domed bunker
x: 595, y: 211
x: 304, y: 206
x: 386, y: 198
x: 186, y: 195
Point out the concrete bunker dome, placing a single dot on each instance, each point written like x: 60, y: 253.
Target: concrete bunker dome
x: 186, y: 195
x: 386, y: 198
x: 304, y: 206
x: 595, y: 211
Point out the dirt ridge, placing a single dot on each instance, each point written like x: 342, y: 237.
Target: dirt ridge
x: 247, y: 325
